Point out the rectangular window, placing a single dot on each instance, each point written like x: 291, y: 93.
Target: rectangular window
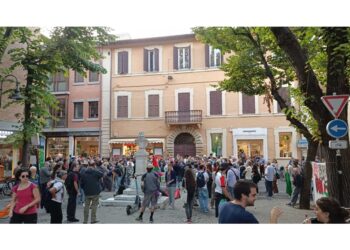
x: 93, y: 109
x: 182, y: 58
x: 215, y: 103
x: 58, y: 82
x: 59, y: 119
x: 215, y: 57
x: 78, y: 77
x: 94, y: 76
x: 153, y: 106
x: 285, y: 144
x: 283, y: 91
x: 122, y: 111
x: 151, y: 60
x: 248, y: 104
x: 123, y: 62
x: 216, y: 144
x: 78, y: 110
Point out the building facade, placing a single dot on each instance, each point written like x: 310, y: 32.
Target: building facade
x: 164, y: 87
x: 76, y: 129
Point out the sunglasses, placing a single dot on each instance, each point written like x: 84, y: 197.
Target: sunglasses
x: 24, y: 176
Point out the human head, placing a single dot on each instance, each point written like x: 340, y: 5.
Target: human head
x: 22, y: 175
x: 32, y: 170
x: 62, y: 174
x: 328, y: 210
x: 223, y: 167
x: 92, y: 164
x: 245, y: 192
x: 149, y: 167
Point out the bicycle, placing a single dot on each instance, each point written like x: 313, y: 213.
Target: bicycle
x: 6, y: 188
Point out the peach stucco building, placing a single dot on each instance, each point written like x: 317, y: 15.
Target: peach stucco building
x: 163, y: 86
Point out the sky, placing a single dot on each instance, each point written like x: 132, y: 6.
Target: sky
x: 150, y: 18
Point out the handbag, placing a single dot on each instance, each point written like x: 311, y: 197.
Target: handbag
x: 177, y: 193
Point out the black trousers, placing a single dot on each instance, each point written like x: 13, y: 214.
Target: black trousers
x: 42, y: 188
x: 24, y: 218
x: 55, y: 212
x: 71, y: 207
x: 218, y: 198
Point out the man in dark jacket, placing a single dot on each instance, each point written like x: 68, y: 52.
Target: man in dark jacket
x: 72, y: 188
x: 90, y: 183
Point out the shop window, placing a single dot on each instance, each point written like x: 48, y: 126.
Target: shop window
x: 216, y: 144
x: 285, y: 147
x: 58, y: 147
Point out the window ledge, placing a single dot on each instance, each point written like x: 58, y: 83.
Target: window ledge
x: 78, y: 120
x: 78, y: 83
x: 92, y: 119
x: 60, y: 92
x: 93, y: 83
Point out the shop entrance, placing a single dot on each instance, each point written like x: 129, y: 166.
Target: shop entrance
x: 251, y: 148
x: 86, y: 146
x: 184, y: 145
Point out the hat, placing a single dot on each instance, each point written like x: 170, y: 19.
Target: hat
x: 61, y: 173
x: 149, y: 165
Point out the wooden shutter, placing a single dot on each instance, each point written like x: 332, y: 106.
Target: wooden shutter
x: 125, y: 62
x: 206, y: 52
x: 153, y: 106
x: 215, y: 103
x: 145, y: 60
x: 122, y: 107
x: 184, y: 102
x: 120, y: 62
x: 189, y: 57
x: 176, y: 66
x: 156, y: 58
x: 248, y: 104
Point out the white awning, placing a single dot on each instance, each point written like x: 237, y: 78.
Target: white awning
x: 132, y: 140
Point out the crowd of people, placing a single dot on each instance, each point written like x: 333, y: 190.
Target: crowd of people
x: 227, y: 185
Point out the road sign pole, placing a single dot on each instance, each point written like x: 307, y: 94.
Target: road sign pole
x: 340, y: 177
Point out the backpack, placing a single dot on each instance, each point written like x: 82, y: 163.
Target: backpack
x: 118, y: 170
x: 200, y: 179
x: 47, y: 196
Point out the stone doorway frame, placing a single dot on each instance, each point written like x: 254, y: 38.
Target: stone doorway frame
x: 170, y: 140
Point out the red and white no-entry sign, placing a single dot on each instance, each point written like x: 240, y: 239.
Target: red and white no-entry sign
x: 335, y: 103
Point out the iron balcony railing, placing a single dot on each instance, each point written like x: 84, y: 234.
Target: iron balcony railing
x: 183, y: 117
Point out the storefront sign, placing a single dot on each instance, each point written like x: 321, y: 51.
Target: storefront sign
x: 4, y: 134
x: 319, y: 180
x: 302, y: 143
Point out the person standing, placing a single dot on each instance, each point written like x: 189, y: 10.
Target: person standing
x: 269, y: 176
x: 56, y: 189
x: 244, y: 195
x: 150, y: 186
x: 297, y: 182
x: 170, y: 179
x: 221, y: 192
x: 72, y: 188
x: 202, y: 178
x: 45, y: 174
x: 232, y: 178
x: 91, y: 184
x: 25, y: 197
x: 190, y: 185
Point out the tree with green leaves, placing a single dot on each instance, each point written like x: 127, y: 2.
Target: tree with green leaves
x: 39, y: 57
x: 262, y: 60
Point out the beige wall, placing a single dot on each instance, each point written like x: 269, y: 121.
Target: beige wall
x: 198, y: 79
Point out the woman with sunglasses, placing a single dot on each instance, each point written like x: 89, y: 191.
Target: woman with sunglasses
x: 25, y: 198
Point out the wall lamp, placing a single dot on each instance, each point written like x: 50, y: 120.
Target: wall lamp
x: 14, y: 96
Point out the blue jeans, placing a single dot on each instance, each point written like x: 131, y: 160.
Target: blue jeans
x: 203, y: 198
x: 171, y: 190
x: 230, y: 190
x: 179, y: 181
x: 117, y: 182
x: 81, y: 197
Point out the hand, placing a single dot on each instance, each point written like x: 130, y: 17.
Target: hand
x: 307, y: 221
x: 10, y: 213
x: 23, y: 209
x: 275, y: 213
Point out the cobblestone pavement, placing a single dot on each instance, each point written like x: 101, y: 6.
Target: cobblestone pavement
x: 112, y: 215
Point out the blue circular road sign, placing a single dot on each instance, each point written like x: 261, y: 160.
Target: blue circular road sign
x: 337, y: 128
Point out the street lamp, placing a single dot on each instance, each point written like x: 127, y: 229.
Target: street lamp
x: 16, y: 95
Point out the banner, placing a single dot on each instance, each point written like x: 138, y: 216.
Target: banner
x: 319, y: 180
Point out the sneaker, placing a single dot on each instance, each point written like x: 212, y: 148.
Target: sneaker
x: 139, y: 219
x: 189, y: 221
x: 73, y: 220
x: 94, y: 222
x: 151, y: 221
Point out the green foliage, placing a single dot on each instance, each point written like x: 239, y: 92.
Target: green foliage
x: 39, y: 57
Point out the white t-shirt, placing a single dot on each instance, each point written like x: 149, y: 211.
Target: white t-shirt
x: 248, y: 173
x: 220, y: 181
x: 59, y: 186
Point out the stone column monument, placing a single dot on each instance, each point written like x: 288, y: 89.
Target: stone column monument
x: 141, y: 155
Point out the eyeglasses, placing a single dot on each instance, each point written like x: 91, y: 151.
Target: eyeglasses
x: 24, y: 176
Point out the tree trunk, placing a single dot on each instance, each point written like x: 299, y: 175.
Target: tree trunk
x: 307, y: 174
x: 26, y: 125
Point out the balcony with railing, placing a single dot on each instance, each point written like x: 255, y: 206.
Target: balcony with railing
x: 183, y: 117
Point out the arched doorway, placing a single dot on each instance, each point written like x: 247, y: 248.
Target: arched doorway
x: 184, y: 144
